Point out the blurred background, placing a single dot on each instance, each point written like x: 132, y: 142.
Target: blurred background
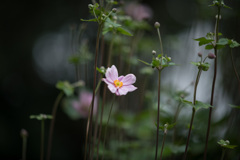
x: 38, y: 38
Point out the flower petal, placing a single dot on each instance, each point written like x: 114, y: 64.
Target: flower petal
x: 125, y: 89
x: 112, y: 74
x: 112, y: 88
x: 129, y: 79
x: 106, y: 81
x: 120, y: 78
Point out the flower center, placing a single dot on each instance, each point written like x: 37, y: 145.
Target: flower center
x: 118, y: 83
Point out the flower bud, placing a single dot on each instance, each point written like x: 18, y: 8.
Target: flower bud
x: 23, y: 133
x: 154, y: 52
x: 199, y: 54
x: 211, y: 56
x: 157, y: 25
x: 90, y: 6
x: 114, y: 10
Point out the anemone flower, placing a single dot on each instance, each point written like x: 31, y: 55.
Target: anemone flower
x: 119, y: 85
x: 84, y: 103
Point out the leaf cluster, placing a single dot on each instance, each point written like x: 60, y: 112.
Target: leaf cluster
x: 220, y: 3
x: 202, y: 65
x: 68, y: 88
x: 160, y: 62
x: 41, y: 117
x: 226, y: 144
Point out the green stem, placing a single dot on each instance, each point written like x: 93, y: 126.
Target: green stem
x: 160, y: 40
x: 213, y: 83
x: 24, y: 148
x: 223, y: 153
x: 100, y: 129
x: 104, y: 140
x: 234, y: 67
x: 193, y: 112
x: 42, y: 140
x: 158, y: 114
x: 54, y: 112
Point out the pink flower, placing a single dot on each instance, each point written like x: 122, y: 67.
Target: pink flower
x: 138, y: 11
x: 119, y: 85
x: 84, y: 103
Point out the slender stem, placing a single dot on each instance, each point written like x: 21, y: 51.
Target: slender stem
x: 234, y: 67
x: 193, y: 112
x: 54, y: 111
x: 213, y: 84
x: 96, y: 123
x: 164, y: 137
x: 104, y: 140
x: 223, y: 153
x: 159, y: 36
x: 24, y: 148
x: 189, y: 133
x: 42, y: 140
x: 158, y: 114
x: 100, y: 129
x: 88, y: 121
x: 174, y: 121
x: 94, y: 86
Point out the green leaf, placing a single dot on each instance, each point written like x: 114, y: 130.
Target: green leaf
x: 204, y: 66
x: 234, y: 106
x: 209, y: 46
x: 155, y: 62
x: 223, y: 41
x: 41, y: 117
x: 89, y: 20
x: 124, y: 31
x: 196, y: 63
x: 66, y: 87
x: 200, y: 105
x: 203, y: 41
x: 144, y: 62
x: 234, y: 44
x: 226, y: 144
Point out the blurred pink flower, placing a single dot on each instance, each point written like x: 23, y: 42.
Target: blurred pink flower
x: 138, y: 11
x: 84, y: 104
x: 119, y: 85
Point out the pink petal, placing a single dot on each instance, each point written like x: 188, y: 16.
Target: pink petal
x: 125, y: 89
x: 129, y: 79
x: 120, y: 78
x: 112, y: 88
x: 117, y: 93
x: 112, y: 74
x: 106, y: 81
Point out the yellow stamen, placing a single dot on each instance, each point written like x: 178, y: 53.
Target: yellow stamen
x: 118, y: 83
